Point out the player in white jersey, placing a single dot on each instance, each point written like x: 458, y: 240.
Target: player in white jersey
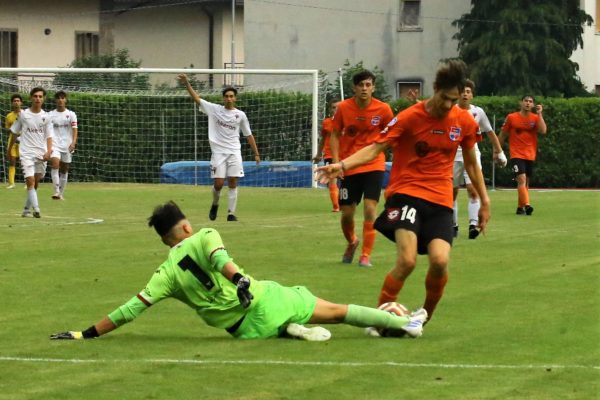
x: 460, y: 174
x: 224, y: 124
x: 64, y: 122
x: 35, y: 130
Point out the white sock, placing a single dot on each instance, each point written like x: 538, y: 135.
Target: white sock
x: 455, y: 209
x: 32, y: 199
x: 216, y: 196
x: 473, y: 211
x: 55, y: 179
x: 63, y: 182
x: 232, y: 200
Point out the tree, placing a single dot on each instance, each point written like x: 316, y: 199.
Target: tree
x: 119, y: 59
x: 349, y: 71
x: 517, y: 47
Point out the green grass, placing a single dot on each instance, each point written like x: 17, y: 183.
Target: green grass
x: 520, y: 318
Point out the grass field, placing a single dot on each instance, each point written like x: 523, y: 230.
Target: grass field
x: 520, y: 318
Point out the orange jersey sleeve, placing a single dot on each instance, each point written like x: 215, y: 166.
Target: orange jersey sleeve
x: 423, y: 149
x: 522, y: 135
x: 326, y: 129
x: 360, y: 127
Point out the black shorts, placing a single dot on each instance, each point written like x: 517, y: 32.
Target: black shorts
x: 520, y: 166
x: 426, y: 219
x: 354, y: 187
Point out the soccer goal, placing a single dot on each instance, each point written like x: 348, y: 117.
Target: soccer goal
x: 139, y: 125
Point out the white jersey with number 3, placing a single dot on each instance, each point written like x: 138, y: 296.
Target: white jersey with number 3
x: 224, y: 127
x: 484, y: 126
x: 34, y: 130
x: 63, y: 123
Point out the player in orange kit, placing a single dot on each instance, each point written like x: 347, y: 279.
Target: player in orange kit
x: 418, y: 208
x: 356, y: 124
x: 324, y: 153
x: 522, y: 129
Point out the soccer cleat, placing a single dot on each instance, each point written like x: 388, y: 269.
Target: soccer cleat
x: 231, y: 217
x: 372, y: 331
x: 473, y: 232
x: 11, y: 186
x: 36, y: 214
x: 56, y: 196
x: 521, y: 210
x: 349, y: 253
x: 528, y: 210
x: 363, y: 261
x: 26, y: 213
x: 212, y: 214
x: 336, y: 209
x: 314, y: 334
x: 455, y: 231
x: 414, y: 328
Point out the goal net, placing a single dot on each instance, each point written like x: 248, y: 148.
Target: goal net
x: 140, y: 125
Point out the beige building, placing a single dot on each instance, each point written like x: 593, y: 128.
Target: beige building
x: 405, y: 38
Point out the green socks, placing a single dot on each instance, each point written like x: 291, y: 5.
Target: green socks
x: 366, y: 316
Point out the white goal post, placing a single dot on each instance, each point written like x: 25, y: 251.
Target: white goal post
x: 140, y: 125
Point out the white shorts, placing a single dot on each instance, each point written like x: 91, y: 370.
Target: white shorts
x: 226, y: 165
x: 32, y: 166
x: 64, y: 156
x: 460, y: 173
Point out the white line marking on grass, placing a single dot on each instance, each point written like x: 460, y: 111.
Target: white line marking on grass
x: 295, y: 363
x: 55, y: 221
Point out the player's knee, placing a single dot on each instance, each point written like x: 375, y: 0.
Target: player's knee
x: 438, y: 262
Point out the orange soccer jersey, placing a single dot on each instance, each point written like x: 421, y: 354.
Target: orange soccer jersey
x: 326, y: 130
x: 424, y: 149
x: 522, y: 135
x: 359, y: 127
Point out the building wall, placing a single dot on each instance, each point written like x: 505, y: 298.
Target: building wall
x: 62, y: 17
x: 322, y: 34
x: 588, y: 58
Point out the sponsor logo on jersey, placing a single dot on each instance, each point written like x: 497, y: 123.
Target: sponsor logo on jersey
x: 454, y: 133
x: 375, y: 120
x: 437, y: 131
x: 224, y: 125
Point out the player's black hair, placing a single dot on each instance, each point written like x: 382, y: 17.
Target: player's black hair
x: 526, y: 96
x: 470, y: 84
x: 452, y: 74
x: 229, y: 89
x: 16, y: 96
x: 165, y: 217
x: 37, y: 89
x: 60, y: 93
x: 362, y: 75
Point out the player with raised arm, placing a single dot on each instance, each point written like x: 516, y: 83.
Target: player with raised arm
x: 200, y: 273
x: 324, y: 153
x: 356, y: 124
x: 522, y: 129
x: 12, y: 148
x: 224, y: 124
x: 64, y: 122
x: 34, y: 128
x: 418, y: 208
x: 460, y: 174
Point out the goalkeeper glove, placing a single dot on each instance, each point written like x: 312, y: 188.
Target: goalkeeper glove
x: 69, y: 335
x: 243, y: 289
x: 502, y: 161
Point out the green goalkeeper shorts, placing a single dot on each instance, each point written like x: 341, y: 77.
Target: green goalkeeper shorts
x: 277, y: 307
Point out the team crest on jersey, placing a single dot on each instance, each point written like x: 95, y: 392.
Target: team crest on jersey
x: 531, y: 125
x: 454, y: 133
x: 393, y: 214
x: 375, y: 120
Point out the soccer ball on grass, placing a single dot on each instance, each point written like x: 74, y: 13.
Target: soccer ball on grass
x: 394, y: 308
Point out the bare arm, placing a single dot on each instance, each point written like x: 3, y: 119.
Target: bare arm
x: 363, y: 156
x: 184, y: 80
x: 495, y: 142
x: 252, y: 143
x: 541, y: 125
x: 334, y: 145
x: 476, y: 176
x: 319, y: 154
x: 73, y: 141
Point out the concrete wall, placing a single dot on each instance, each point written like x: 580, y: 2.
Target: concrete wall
x: 62, y: 17
x: 588, y: 58
x: 322, y: 34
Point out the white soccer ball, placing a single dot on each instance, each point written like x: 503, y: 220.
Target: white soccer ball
x: 394, y: 308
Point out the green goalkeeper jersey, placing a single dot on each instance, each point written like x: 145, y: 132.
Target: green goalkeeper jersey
x: 192, y: 275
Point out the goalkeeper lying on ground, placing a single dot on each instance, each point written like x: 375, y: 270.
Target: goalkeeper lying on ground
x: 200, y: 273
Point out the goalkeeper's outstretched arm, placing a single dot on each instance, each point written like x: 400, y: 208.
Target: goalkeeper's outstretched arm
x: 102, y: 327
x: 185, y: 81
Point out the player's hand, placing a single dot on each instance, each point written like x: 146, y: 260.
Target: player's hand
x: 328, y: 173
x: 183, y: 78
x: 68, y: 335
x: 484, y: 216
x: 243, y: 292
x: 502, y: 161
x: 539, y: 108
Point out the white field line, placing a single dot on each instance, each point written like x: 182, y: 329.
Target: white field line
x: 336, y: 364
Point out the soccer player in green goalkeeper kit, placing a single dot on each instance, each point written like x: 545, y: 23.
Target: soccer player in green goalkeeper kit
x: 200, y: 273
